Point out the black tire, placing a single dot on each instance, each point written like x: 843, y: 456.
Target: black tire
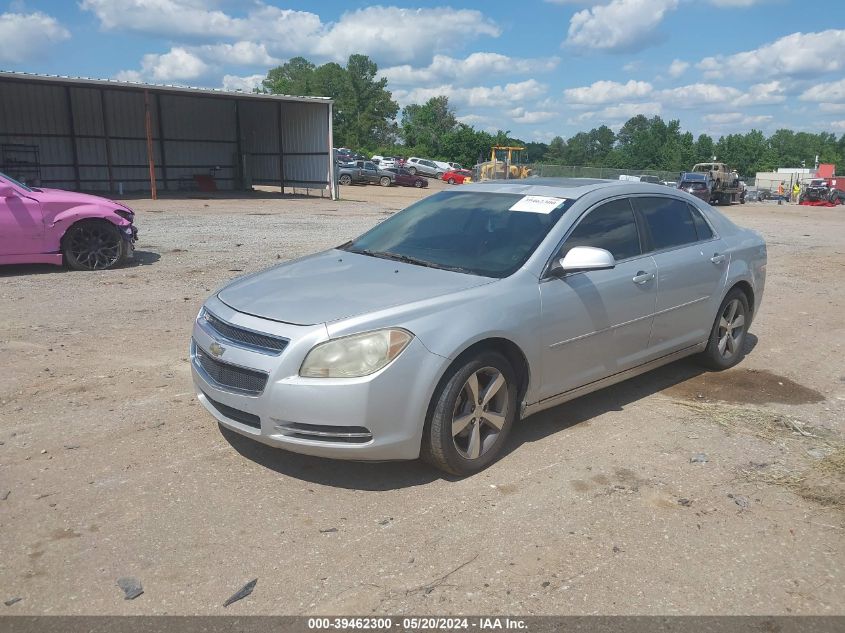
x: 94, y: 245
x: 384, y: 181
x: 451, y: 181
x: 419, y: 184
x: 345, y: 179
x: 439, y: 175
x: 412, y: 171
x: 713, y: 357
x: 439, y: 447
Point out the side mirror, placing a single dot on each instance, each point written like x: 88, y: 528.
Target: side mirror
x: 7, y: 191
x: 584, y: 258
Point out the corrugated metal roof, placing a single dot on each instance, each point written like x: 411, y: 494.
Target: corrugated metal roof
x: 160, y: 88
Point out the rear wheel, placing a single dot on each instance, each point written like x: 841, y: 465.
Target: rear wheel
x: 727, y: 338
x: 472, y: 414
x: 94, y: 245
x: 345, y: 179
x: 418, y: 184
x: 451, y: 181
x: 412, y: 171
x: 384, y: 181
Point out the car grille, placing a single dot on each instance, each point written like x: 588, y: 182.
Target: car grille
x: 248, y: 338
x: 231, y: 376
x: 249, y: 419
x: 325, y: 433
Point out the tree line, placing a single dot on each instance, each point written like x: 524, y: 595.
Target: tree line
x: 367, y: 119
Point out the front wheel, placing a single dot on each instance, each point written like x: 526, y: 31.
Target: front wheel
x: 451, y: 181
x: 439, y: 175
x: 94, y: 245
x: 384, y: 181
x: 727, y: 338
x: 345, y: 179
x: 418, y: 184
x: 472, y: 414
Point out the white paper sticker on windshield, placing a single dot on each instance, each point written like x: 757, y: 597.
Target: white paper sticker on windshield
x: 538, y: 204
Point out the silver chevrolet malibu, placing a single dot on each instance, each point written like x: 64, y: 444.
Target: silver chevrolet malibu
x: 432, y: 333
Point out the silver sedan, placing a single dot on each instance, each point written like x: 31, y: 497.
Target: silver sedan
x: 431, y: 334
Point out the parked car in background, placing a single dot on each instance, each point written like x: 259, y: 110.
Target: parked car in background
x: 405, y: 178
x: 457, y: 176
x: 455, y: 166
x: 697, y: 188
x: 52, y: 226
x: 424, y: 167
x: 364, y: 172
x: 384, y: 161
x: 387, y: 348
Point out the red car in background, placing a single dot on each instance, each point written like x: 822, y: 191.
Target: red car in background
x: 458, y: 176
x: 407, y: 179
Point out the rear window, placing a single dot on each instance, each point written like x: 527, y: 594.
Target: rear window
x: 668, y: 221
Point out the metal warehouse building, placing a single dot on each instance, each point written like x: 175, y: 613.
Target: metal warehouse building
x: 101, y: 135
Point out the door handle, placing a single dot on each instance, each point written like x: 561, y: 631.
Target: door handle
x: 641, y: 277
x: 717, y: 259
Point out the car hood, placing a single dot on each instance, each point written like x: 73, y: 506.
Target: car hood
x: 65, y: 199
x: 337, y: 284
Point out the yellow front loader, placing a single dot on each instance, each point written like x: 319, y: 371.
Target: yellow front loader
x: 504, y: 164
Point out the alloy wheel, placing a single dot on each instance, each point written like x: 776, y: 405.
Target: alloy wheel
x: 731, y: 329
x: 94, y: 246
x: 480, y: 412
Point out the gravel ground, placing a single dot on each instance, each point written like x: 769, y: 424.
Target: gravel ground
x: 679, y: 492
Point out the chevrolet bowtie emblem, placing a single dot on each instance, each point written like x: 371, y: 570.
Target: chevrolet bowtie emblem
x: 216, y: 349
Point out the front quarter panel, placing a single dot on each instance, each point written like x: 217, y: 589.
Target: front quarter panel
x: 448, y: 325
x: 57, y: 222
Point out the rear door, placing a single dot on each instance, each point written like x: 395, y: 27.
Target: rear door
x: 597, y: 323
x: 692, y: 271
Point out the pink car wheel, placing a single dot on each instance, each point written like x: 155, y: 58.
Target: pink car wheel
x: 94, y: 245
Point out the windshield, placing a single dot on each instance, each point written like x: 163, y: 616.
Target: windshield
x: 14, y: 182
x: 471, y: 232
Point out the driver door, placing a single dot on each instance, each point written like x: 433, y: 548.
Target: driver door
x: 597, y: 323
x: 21, y: 225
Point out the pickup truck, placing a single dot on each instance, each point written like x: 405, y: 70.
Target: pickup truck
x: 364, y: 172
x: 723, y: 184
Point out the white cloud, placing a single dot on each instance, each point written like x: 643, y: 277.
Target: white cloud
x: 804, y: 54
x: 608, y: 92
x: 622, y: 25
x: 521, y: 115
x: 178, y: 64
x: 27, y: 36
x: 833, y: 92
x: 678, y: 68
x: 734, y: 118
x: 621, y: 112
x: 243, y: 84
x: 384, y: 33
x: 403, y: 35
x: 695, y: 95
x: 838, y: 125
x: 832, y: 107
x: 768, y: 93
x: 444, y: 68
x: 238, y: 54
x: 476, y: 96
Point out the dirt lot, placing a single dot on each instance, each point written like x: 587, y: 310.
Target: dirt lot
x: 677, y: 492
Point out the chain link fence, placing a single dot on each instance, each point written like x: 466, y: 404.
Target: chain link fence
x: 573, y: 171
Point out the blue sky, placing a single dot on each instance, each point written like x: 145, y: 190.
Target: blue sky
x: 539, y: 68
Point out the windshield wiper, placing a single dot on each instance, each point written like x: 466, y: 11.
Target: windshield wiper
x: 407, y: 259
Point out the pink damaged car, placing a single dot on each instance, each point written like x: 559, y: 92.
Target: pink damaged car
x: 52, y: 226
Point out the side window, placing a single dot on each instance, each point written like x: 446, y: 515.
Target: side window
x: 669, y: 221
x: 701, y: 227
x: 369, y: 166
x: 611, y: 227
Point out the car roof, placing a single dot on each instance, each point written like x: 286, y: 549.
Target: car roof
x: 562, y: 187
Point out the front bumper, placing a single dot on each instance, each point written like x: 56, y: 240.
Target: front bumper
x: 377, y: 417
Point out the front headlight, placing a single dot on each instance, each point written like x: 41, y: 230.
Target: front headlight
x: 355, y: 356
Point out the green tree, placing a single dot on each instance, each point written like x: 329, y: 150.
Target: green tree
x: 296, y: 77
x: 424, y: 126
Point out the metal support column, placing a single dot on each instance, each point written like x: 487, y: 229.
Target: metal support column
x: 106, y: 138
x: 72, y: 130
x: 148, y: 126
x: 281, y: 150
x: 161, y: 142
